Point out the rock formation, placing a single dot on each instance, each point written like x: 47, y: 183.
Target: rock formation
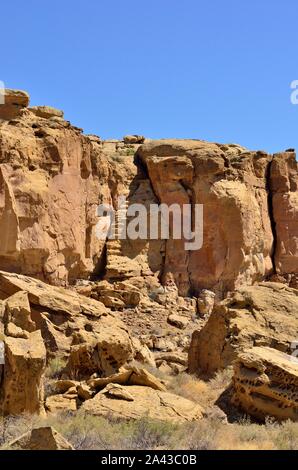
x: 284, y: 190
x: 42, y: 321
x: 22, y: 388
x: 265, y: 384
x: 261, y: 315
x: 102, y: 304
x: 53, y: 178
x: 44, y: 438
x: 135, y: 402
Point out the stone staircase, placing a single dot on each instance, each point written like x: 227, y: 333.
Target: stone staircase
x: 118, y: 265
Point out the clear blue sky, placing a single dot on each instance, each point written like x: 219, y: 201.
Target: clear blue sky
x: 217, y: 70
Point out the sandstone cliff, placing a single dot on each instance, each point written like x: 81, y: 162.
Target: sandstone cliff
x: 52, y: 177
x: 102, y: 304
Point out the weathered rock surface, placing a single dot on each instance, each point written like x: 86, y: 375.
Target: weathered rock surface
x: 39, y: 322
x: 46, y: 112
x: 14, y: 102
x: 44, y: 438
x: 261, y: 315
x: 284, y: 188
x: 21, y: 389
x: 206, y: 302
x: 133, y: 139
x: 129, y: 376
x: 52, y: 179
x: 265, y: 384
x: 115, y: 296
x: 231, y: 183
x: 71, y: 324
x: 58, y: 403
x: 135, y: 402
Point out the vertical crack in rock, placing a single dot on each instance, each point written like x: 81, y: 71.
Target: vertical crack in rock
x: 271, y: 212
x: 191, y: 198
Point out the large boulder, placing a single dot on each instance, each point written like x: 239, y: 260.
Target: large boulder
x: 129, y: 376
x: 12, y: 102
x: 46, y: 112
x: 133, y: 139
x: 265, y: 384
x: 261, y: 315
x: 137, y: 402
x: 22, y: 387
x: 71, y: 325
x: 43, y: 438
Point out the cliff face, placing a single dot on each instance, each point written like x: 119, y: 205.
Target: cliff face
x: 52, y: 178
x: 138, y: 300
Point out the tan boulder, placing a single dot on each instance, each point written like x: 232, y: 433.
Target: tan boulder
x: 22, y: 386
x: 84, y: 391
x: 172, y: 357
x: 57, y: 177
x: 134, y: 139
x: 117, y: 391
x: 15, y: 331
x: 18, y: 311
x: 46, y: 112
x: 51, y: 298
x: 43, y: 438
x: 165, y: 368
x: 57, y: 403
x: 130, y: 375
x: 178, y: 320
x: 104, y: 353
x: 205, y: 302
x: 117, y: 295
x: 265, y: 383
x: 144, y: 402
x: 14, y: 102
x: 71, y: 324
x: 63, y: 385
x: 260, y: 315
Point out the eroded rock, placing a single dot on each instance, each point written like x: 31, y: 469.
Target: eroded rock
x: 22, y: 386
x: 144, y: 402
x: 265, y: 384
x: 261, y: 315
x: 43, y: 438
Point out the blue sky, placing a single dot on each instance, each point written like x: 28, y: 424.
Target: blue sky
x: 217, y: 70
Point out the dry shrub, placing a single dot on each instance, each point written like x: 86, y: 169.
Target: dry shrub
x: 97, y: 433
x: 203, y: 392
x: 55, y: 368
x: 189, y: 387
x: 88, y: 432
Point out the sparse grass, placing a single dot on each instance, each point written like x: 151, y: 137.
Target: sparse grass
x: 189, y: 387
x: 117, y: 158
x: 55, y: 368
x: 53, y: 372
x: 129, y: 151
x: 204, y: 393
x: 88, y: 432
